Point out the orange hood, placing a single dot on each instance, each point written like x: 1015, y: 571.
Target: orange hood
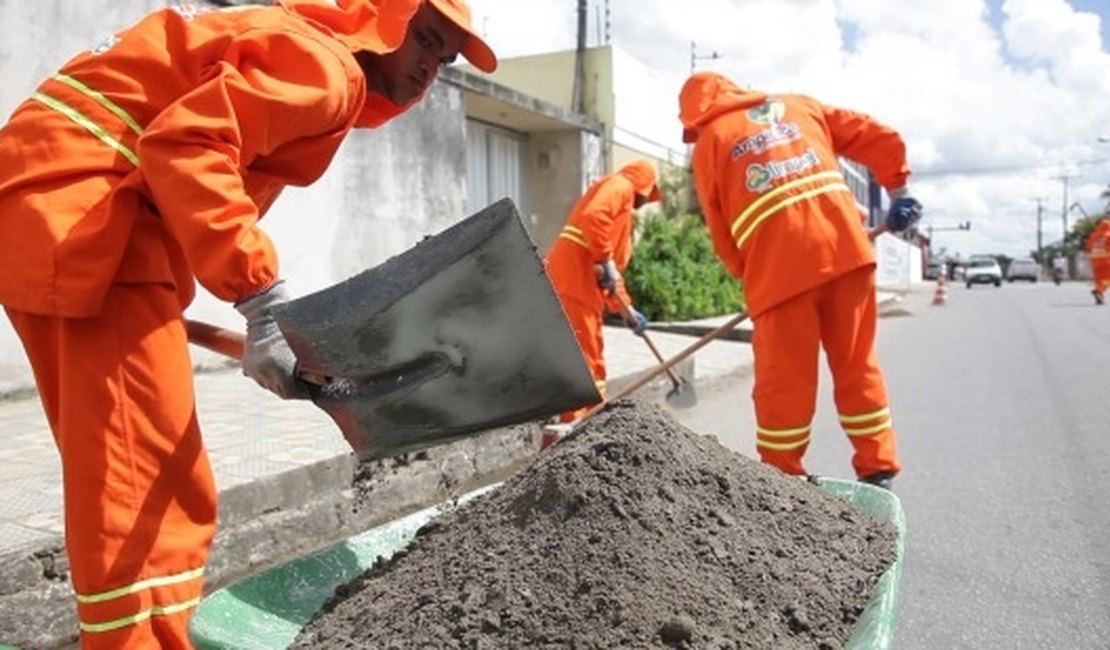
x: 707, y: 95
x: 641, y: 174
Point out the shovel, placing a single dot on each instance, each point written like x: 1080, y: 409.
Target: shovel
x: 681, y: 394
x: 459, y: 334
x: 555, y: 432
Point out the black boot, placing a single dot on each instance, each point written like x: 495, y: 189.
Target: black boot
x: 1098, y: 296
x: 884, y: 480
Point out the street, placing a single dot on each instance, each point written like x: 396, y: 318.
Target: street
x: 1000, y: 402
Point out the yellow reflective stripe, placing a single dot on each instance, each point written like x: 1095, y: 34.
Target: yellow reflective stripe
x: 89, y: 125
x: 570, y: 234
x: 849, y: 419
x: 136, y: 587
x: 785, y: 187
x: 782, y: 446
x: 867, y: 431
x: 111, y: 106
x: 157, y: 610
x: 782, y: 433
x: 784, y: 203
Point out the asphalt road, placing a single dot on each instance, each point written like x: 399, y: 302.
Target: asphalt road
x: 1001, y: 400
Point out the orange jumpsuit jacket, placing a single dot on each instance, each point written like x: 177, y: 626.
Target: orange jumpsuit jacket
x: 151, y: 157
x: 1098, y: 244
x: 598, y: 228
x: 768, y: 177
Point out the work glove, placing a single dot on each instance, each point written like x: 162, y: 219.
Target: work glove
x: 639, y: 322
x: 607, y: 275
x: 267, y: 358
x: 904, y: 212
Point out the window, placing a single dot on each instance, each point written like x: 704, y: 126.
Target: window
x: 493, y: 166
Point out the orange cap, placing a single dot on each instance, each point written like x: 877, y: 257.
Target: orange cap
x: 474, y: 48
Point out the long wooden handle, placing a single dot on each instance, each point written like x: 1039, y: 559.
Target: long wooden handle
x: 217, y: 339
x: 661, y: 368
x: 630, y: 318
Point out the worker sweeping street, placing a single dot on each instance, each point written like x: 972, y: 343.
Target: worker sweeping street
x: 587, y: 261
x: 142, y: 165
x: 784, y: 221
x: 1098, y: 248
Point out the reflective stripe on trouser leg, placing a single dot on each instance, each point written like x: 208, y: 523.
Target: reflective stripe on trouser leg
x: 849, y: 321
x: 587, y: 325
x: 140, y: 501
x: 785, y: 343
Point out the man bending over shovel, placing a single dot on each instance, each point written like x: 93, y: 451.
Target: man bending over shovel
x: 142, y: 164
x: 784, y: 221
x: 587, y: 259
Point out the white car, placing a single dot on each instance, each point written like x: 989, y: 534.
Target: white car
x: 983, y: 270
x: 1024, y: 268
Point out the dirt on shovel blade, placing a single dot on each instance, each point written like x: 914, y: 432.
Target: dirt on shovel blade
x: 634, y: 532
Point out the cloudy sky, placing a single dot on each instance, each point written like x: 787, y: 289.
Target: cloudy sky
x: 999, y: 100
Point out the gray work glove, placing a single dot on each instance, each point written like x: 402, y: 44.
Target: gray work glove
x: 267, y: 358
x: 607, y: 275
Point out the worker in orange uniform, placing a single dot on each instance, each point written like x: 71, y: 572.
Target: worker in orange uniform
x: 587, y: 260
x: 142, y: 164
x: 1098, y: 248
x: 784, y: 221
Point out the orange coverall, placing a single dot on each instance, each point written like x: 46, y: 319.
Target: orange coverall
x: 1098, y: 248
x: 784, y: 221
x: 598, y: 228
x: 140, y: 165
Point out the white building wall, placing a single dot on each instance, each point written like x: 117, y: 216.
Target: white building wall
x: 387, y: 188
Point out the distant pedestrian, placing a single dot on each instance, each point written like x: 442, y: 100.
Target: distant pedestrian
x: 1098, y: 248
x: 1059, y: 268
x: 785, y: 222
x: 587, y: 261
x: 138, y: 170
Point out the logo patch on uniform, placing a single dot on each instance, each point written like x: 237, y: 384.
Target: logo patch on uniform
x: 759, y: 177
x: 771, y: 111
x: 775, y: 135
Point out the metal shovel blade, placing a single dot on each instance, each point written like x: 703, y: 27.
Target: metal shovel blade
x: 682, y: 395
x: 461, y: 333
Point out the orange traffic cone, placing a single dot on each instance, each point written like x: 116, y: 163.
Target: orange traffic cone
x: 940, y: 296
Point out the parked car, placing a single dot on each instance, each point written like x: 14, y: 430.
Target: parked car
x: 983, y: 270
x: 1024, y: 268
x: 933, y: 270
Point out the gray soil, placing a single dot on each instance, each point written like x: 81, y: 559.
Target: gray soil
x: 633, y: 532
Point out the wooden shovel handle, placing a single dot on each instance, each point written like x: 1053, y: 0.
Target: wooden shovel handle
x: 231, y: 345
x: 661, y: 368
x: 630, y: 318
x: 214, y: 338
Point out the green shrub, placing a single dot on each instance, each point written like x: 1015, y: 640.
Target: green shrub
x: 674, y: 274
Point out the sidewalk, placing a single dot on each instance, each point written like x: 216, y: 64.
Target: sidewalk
x: 287, y: 480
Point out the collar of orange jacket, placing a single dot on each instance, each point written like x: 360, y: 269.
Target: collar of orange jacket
x: 707, y: 95
x: 641, y: 174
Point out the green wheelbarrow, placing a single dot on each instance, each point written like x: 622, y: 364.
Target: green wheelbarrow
x: 267, y: 611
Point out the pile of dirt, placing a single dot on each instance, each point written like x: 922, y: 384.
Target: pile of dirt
x: 633, y: 532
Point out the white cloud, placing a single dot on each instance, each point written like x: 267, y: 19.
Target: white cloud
x: 993, y: 115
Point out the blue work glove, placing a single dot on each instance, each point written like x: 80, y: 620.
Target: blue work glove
x: 640, y: 324
x: 267, y: 358
x: 904, y: 212
x: 607, y: 275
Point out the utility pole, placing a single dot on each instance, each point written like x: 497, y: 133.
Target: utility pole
x: 1064, y: 210
x: 579, y: 91
x: 1040, y: 230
